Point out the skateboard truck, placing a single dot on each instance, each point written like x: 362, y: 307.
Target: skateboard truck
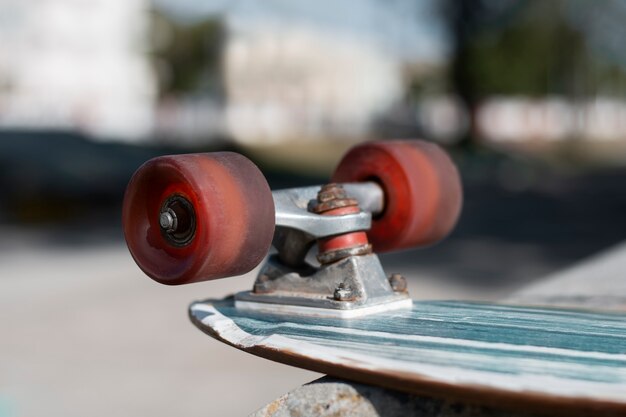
x: 347, y: 279
x: 197, y: 217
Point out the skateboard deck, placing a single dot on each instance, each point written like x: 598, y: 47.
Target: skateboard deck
x: 530, y: 358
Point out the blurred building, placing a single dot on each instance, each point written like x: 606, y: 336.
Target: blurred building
x: 77, y: 65
x: 290, y: 83
x: 550, y: 119
x: 301, y: 70
x: 307, y: 71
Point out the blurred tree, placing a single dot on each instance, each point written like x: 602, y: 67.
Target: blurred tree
x: 187, y: 56
x: 537, y: 53
x: 602, y: 25
x: 524, y: 47
x: 466, y: 20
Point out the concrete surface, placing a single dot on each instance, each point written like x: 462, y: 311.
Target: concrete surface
x: 329, y: 397
x: 598, y: 282
x: 85, y: 333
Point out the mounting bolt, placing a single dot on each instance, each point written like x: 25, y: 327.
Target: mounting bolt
x: 342, y: 293
x: 261, y: 285
x: 398, y: 283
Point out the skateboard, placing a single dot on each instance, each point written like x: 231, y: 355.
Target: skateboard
x: 322, y: 301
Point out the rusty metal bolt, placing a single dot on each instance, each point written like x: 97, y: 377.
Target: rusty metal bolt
x: 261, y: 285
x: 331, y: 191
x: 398, y: 283
x: 343, y: 293
x: 332, y: 196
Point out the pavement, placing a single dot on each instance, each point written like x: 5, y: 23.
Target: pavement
x: 86, y: 333
x: 598, y: 282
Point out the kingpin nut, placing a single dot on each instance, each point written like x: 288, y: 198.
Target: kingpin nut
x: 332, y: 196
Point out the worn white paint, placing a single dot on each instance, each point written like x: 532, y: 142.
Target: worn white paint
x: 323, y: 312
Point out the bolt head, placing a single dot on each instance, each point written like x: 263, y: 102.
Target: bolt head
x: 398, y: 283
x: 342, y: 293
x: 331, y: 192
x: 167, y: 220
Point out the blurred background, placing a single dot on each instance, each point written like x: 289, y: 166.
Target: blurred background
x: 528, y: 96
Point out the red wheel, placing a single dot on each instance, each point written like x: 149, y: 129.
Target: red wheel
x: 197, y: 217
x: 422, y: 188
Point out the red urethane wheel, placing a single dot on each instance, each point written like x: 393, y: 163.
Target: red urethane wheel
x: 423, y: 193
x: 198, y: 217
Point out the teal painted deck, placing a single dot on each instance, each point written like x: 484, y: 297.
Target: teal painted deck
x: 557, y: 354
